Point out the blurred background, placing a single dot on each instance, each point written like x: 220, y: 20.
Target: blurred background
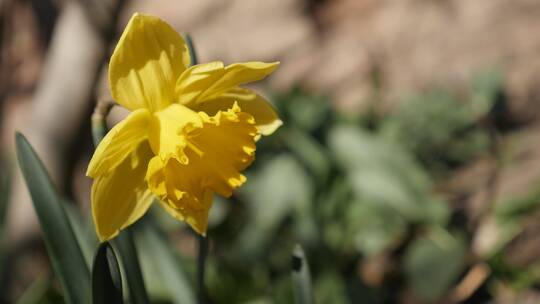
x: 408, y: 166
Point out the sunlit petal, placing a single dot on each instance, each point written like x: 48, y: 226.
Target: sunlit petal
x: 191, y: 133
x: 206, y: 81
x: 266, y: 118
x: 147, y: 61
x: 196, y: 218
x: 168, y: 131
x: 215, y: 154
x: 121, y: 197
x: 119, y: 143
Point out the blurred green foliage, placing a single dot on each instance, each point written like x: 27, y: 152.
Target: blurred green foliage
x: 353, y: 192
x: 443, y: 129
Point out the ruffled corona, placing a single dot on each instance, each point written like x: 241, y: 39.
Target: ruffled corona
x: 210, y: 154
x: 190, y: 135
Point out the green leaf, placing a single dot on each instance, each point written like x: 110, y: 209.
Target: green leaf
x: 486, y: 85
x: 382, y: 173
x: 373, y: 228
x: 66, y: 256
x: 106, y: 277
x: 36, y: 292
x: 305, y: 110
x: 301, y: 277
x: 309, y: 151
x: 281, y: 188
x: 125, y: 246
x: 433, y: 263
x: 167, y: 266
x: 441, y: 130
x: 84, y: 232
x: 330, y: 288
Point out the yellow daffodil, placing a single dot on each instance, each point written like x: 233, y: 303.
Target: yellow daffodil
x: 191, y: 130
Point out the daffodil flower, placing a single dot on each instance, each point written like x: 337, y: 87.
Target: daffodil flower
x: 190, y: 133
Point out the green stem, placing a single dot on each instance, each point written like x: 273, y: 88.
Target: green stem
x: 99, y: 123
x: 201, y: 266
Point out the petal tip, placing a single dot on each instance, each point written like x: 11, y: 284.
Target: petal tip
x: 269, y: 129
x: 106, y: 237
x: 138, y: 15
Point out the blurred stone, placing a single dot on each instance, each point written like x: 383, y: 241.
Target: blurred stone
x: 524, y: 249
x: 335, y: 46
x: 372, y: 270
x: 488, y: 184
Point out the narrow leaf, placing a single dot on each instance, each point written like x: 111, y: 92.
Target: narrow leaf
x: 301, y: 278
x: 106, y: 277
x: 37, y: 291
x: 312, y: 153
x: 433, y: 263
x: 167, y: 266
x: 66, y: 256
x: 125, y: 246
x: 273, y: 197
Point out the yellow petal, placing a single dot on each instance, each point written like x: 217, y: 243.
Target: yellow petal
x: 121, y: 197
x: 191, y: 207
x: 205, y: 81
x: 215, y: 152
x: 266, y: 118
x: 119, y: 143
x: 227, y: 143
x: 147, y: 61
x: 196, y: 218
x: 196, y: 79
x: 167, y: 134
